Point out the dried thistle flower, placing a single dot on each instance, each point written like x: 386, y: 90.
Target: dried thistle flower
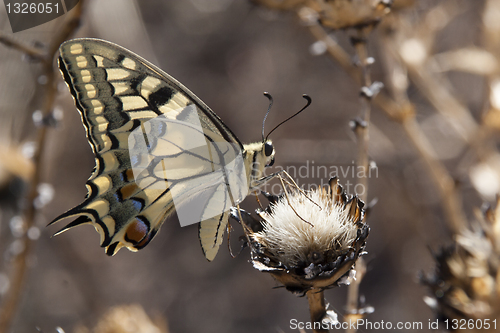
x: 309, y: 242
x: 341, y: 14
x: 466, y: 281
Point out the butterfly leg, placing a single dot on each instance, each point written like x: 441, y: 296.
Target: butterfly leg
x: 289, y: 180
x: 288, y: 199
x: 258, y: 201
x: 292, y: 183
x: 247, y: 230
x: 229, y: 237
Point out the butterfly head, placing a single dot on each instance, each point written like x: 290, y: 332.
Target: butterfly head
x: 268, y: 150
x: 257, y: 156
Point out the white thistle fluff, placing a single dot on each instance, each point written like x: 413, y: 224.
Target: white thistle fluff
x: 291, y: 240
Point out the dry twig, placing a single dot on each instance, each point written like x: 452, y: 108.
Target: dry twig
x: 403, y: 113
x: 317, y: 308
x: 19, y: 265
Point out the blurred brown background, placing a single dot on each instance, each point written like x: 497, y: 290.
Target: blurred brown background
x: 228, y: 52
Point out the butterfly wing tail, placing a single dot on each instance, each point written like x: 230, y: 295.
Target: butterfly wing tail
x: 79, y: 221
x: 83, y: 216
x: 84, y: 219
x: 211, y: 233
x: 135, y: 237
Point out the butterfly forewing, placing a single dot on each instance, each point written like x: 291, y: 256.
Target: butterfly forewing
x: 143, y: 177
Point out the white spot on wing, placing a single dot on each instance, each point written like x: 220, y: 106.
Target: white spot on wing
x: 142, y: 114
x: 149, y: 85
x: 81, y: 61
x: 98, y: 108
x: 101, y: 206
x: 99, y: 61
x: 180, y: 99
x: 133, y: 103
x: 174, y: 106
x: 91, y: 91
x: 101, y: 120
x: 120, y: 87
x: 105, y: 145
x: 110, y: 224
x: 76, y: 49
x: 117, y: 73
x: 86, y: 76
x: 170, y: 110
x: 102, y: 127
x: 110, y: 161
x: 129, y: 63
x: 103, y: 183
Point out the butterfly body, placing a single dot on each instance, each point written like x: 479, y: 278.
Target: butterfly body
x: 158, y: 148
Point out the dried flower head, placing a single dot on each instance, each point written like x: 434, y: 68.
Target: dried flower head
x: 466, y: 281
x: 310, y: 240
x: 126, y: 318
x: 14, y: 163
x: 335, y: 14
x: 341, y: 14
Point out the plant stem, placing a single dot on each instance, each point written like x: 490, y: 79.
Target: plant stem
x: 404, y: 113
x: 362, y: 130
x: 317, y: 309
x: 353, y: 295
x: 31, y: 51
x: 362, y: 133
x: 450, y: 197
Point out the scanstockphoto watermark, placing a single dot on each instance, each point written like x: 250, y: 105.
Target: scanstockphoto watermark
x: 26, y: 14
x: 382, y: 325
x: 360, y: 324
x: 308, y: 174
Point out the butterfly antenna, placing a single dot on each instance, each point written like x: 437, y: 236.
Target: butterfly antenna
x: 270, y: 98
x: 309, y: 101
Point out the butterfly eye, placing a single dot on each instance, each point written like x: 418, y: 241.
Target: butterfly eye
x: 268, y: 149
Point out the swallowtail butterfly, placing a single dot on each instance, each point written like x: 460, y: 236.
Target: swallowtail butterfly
x: 157, y: 147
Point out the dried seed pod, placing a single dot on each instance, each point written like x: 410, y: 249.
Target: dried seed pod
x: 335, y: 14
x: 466, y: 281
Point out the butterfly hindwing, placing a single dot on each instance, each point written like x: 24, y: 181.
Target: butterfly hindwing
x: 117, y: 93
